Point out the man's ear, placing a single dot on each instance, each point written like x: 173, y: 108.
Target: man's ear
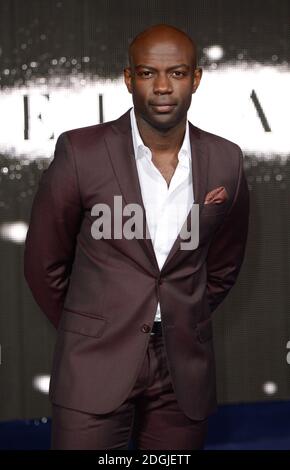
x: 197, y: 78
x: 128, y: 78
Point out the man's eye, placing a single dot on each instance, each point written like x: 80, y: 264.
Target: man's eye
x: 178, y: 73
x: 145, y: 73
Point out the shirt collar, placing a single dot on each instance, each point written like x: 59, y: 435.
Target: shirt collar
x: 140, y: 150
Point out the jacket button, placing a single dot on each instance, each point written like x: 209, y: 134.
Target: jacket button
x: 145, y: 328
x: 159, y: 281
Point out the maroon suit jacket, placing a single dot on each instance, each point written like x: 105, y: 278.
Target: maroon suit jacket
x: 102, y: 295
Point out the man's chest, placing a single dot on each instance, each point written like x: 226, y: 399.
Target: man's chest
x: 166, y: 169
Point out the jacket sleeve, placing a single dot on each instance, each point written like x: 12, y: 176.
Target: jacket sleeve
x: 226, y: 251
x: 51, y: 238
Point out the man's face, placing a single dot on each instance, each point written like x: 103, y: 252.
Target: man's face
x: 162, y: 79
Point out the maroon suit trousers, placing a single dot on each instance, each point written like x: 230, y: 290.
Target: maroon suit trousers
x: 150, y: 416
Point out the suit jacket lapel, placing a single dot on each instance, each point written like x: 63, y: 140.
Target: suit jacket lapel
x: 120, y: 145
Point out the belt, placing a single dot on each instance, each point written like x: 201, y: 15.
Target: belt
x: 156, y: 329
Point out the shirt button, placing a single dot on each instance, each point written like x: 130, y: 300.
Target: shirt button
x: 145, y: 328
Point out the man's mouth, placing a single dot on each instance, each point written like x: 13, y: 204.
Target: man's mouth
x: 163, y: 107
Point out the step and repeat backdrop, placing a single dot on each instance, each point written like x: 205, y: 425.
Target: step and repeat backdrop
x: 61, y: 65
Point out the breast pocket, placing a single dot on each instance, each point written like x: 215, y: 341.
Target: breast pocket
x: 211, y: 218
x: 214, y: 209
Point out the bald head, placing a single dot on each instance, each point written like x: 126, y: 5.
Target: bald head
x: 162, y: 33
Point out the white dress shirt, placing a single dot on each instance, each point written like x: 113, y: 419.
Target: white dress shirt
x: 166, y: 207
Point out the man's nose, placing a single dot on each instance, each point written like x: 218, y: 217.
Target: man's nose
x: 162, y: 84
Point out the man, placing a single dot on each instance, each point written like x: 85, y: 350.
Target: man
x: 134, y: 355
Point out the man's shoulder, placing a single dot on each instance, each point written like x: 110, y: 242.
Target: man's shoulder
x: 95, y: 131
x: 214, y: 140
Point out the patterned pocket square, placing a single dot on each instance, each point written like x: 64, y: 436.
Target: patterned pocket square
x: 216, y: 196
